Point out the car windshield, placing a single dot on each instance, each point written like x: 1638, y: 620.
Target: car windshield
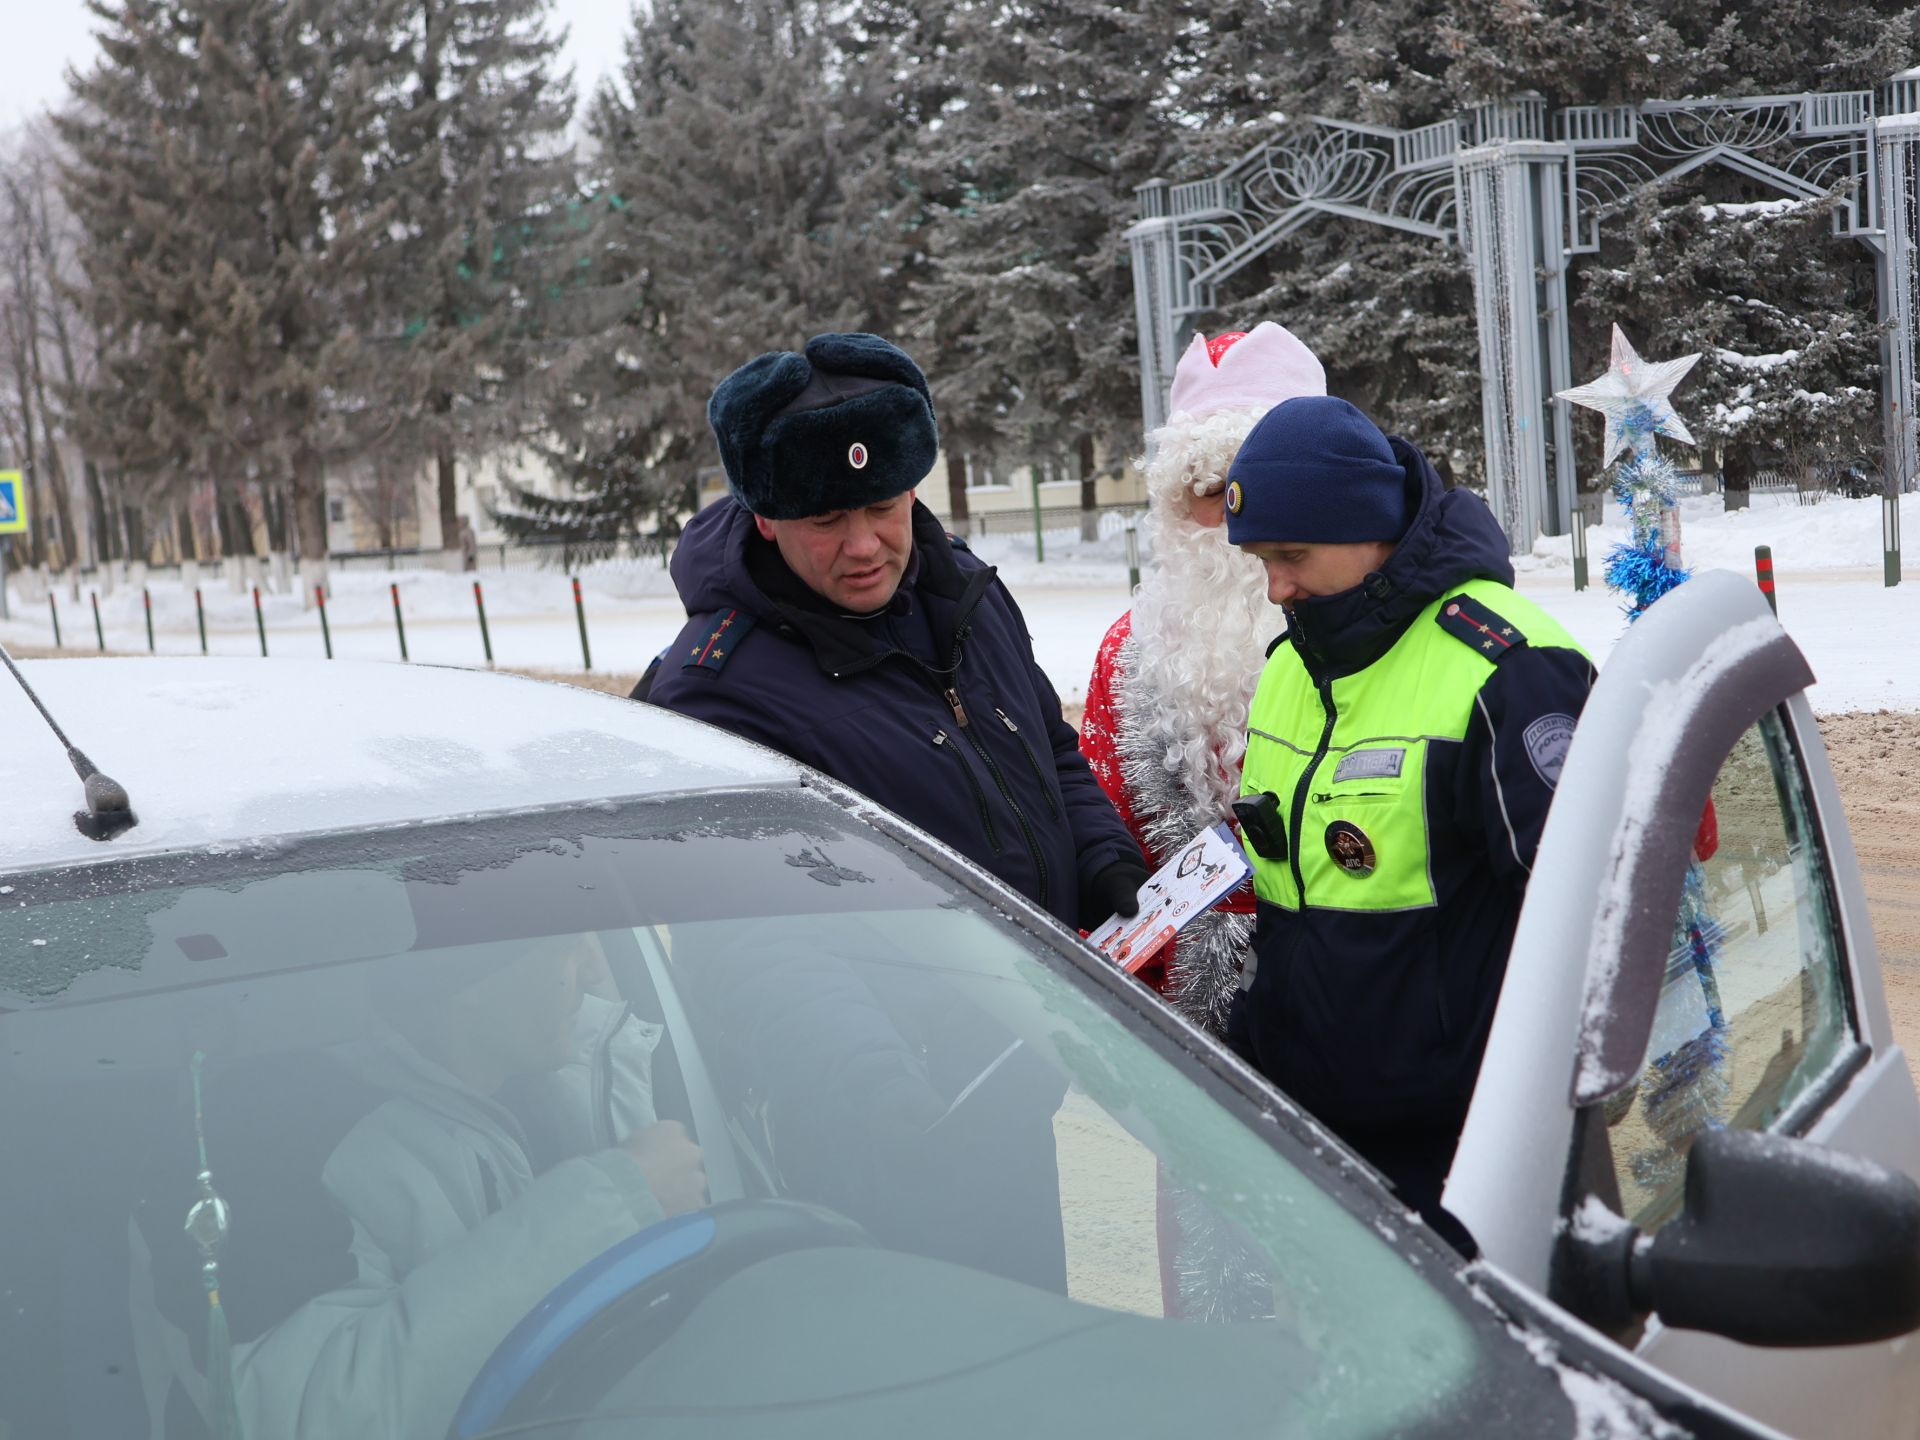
x: 717, y: 1115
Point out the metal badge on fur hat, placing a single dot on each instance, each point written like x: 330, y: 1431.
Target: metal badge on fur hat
x: 1266, y: 365
x: 846, y: 423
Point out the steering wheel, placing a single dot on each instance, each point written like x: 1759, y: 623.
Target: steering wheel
x: 595, y: 1325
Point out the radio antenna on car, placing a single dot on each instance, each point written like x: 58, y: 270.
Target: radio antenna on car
x: 109, y: 811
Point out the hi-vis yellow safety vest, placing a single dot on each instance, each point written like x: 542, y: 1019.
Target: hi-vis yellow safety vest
x: 1348, y: 766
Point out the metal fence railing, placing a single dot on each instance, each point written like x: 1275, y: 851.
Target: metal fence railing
x: 1066, y: 520
x: 498, y: 555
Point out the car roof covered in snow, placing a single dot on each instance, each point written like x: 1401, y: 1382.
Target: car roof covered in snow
x: 227, y: 750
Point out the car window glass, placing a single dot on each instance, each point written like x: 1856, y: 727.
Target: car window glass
x: 425, y: 1074
x: 1753, y: 1009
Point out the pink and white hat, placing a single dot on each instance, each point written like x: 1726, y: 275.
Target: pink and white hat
x: 1254, y: 370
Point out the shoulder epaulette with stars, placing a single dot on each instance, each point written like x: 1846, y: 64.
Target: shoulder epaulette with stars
x: 730, y: 627
x: 1483, y: 630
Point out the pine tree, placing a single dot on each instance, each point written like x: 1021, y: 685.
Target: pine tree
x: 1789, y: 368
x: 1389, y: 314
x: 1061, y: 110
x: 473, y: 179
x: 727, y: 154
x: 1391, y: 317
x: 219, y: 161
x: 906, y: 49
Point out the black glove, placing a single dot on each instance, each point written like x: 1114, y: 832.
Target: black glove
x: 1112, y: 891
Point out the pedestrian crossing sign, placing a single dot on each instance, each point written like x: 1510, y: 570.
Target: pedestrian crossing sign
x: 13, y: 504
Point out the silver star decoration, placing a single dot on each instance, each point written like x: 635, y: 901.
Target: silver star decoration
x: 1633, y: 396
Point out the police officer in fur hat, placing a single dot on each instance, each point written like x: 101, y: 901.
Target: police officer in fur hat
x: 834, y: 619
x: 1403, y: 746
x: 831, y: 617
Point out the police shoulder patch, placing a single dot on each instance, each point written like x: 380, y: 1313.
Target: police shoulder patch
x: 959, y: 542
x: 1547, y: 740
x: 1481, y: 629
x: 712, y: 651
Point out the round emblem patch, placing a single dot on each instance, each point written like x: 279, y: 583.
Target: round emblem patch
x: 857, y: 455
x: 1350, y: 848
x: 1236, y: 497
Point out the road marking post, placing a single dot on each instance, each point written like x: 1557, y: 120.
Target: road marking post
x: 1763, y: 571
x: 200, y: 614
x: 98, y: 632
x: 1890, y: 535
x: 146, y: 600
x: 486, y: 641
x: 326, y: 634
x: 398, y: 623
x: 580, y: 610
x: 1039, y: 539
x: 55, y: 608
x: 260, y: 619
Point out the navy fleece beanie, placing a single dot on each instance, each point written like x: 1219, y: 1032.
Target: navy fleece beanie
x: 1315, y: 470
x: 846, y: 423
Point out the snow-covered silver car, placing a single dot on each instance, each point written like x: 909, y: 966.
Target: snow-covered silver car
x: 354, y: 1089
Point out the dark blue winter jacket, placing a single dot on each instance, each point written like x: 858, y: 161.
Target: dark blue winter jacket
x: 936, y: 710
x: 1375, y: 1015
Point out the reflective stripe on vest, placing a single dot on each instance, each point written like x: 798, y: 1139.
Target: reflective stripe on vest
x: 1354, y: 798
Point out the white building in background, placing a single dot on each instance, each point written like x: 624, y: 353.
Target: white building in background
x: 366, y: 511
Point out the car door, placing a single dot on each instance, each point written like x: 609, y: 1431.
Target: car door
x: 1694, y: 953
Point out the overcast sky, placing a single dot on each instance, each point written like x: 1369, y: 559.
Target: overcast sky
x: 43, y: 37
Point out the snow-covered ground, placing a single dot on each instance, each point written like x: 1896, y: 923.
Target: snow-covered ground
x: 1858, y: 634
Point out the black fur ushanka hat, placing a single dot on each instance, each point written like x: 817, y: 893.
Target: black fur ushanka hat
x: 847, y: 423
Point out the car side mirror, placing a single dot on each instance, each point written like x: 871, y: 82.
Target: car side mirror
x: 1778, y: 1242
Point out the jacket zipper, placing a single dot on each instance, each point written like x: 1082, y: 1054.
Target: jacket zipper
x: 1321, y: 797
x: 1301, y: 790
x: 1026, y: 827
x: 945, y: 742
x: 1033, y: 762
x: 951, y: 694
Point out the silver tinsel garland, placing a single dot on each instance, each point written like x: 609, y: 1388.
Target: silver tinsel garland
x: 1205, y: 969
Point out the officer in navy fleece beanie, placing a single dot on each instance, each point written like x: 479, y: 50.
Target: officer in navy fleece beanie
x: 1315, y: 470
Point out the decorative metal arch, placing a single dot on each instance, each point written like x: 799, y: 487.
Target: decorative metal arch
x: 1521, y: 192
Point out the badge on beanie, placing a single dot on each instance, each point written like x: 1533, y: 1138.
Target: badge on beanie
x: 857, y: 455
x: 1236, y: 497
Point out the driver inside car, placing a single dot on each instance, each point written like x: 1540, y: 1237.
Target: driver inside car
x: 497, y: 1165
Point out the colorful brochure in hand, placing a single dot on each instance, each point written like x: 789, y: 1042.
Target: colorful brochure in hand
x: 1180, y: 891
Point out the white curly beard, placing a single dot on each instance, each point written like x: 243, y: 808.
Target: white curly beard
x: 1201, y: 625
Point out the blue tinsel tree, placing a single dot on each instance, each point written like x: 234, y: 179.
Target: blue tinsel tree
x: 1646, y: 567
x: 1633, y: 396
